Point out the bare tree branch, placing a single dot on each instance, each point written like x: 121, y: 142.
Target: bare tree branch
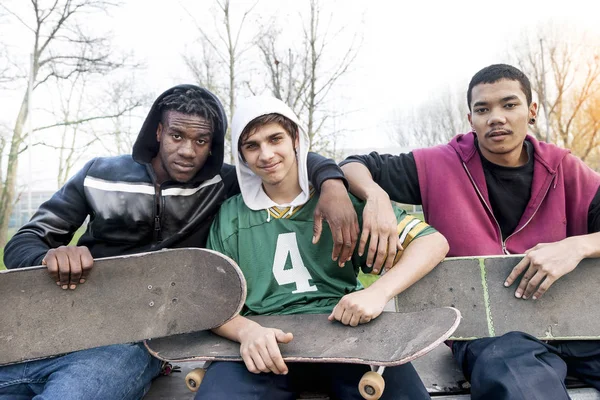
x: 572, y: 85
x: 61, y: 51
x: 299, y: 77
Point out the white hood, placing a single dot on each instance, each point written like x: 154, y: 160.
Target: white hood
x: 250, y: 183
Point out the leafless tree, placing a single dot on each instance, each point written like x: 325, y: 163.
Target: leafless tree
x: 301, y: 76
x: 287, y: 69
x: 433, y: 122
x: 5, y: 76
x: 60, y: 49
x: 205, y: 68
x: 567, y: 83
x: 122, y: 100
x: 84, y: 119
x: 222, y: 49
x: 4, y: 132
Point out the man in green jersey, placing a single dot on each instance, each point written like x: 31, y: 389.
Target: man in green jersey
x: 267, y: 230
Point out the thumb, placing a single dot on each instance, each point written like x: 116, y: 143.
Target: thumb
x: 283, y: 337
x: 317, y: 227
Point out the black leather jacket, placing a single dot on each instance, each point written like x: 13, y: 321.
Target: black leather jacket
x: 128, y: 212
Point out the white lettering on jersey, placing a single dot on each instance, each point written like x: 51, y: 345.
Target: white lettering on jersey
x: 298, y: 274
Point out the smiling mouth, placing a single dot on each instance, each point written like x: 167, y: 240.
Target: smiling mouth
x: 269, y: 167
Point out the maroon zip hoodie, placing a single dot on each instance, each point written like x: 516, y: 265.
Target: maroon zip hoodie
x: 455, y: 198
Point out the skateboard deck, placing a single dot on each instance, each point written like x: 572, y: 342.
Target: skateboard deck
x: 125, y: 299
x: 390, y: 339
x: 475, y: 286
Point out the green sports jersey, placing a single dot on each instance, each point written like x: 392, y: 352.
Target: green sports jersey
x: 285, y: 272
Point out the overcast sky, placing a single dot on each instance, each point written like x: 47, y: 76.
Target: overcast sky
x: 410, y: 49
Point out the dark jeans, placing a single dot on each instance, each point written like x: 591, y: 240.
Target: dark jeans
x: 231, y: 380
x: 518, y: 366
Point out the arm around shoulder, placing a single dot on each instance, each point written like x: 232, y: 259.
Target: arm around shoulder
x: 416, y: 261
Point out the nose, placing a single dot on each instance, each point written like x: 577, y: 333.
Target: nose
x: 266, y: 153
x: 496, y: 117
x: 186, y: 149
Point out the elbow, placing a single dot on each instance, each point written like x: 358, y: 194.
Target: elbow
x: 442, y: 246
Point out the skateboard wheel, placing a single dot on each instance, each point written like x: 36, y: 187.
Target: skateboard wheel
x: 194, y: 379
x: 371, y: 385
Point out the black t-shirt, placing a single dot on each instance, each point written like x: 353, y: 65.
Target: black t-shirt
x: 509, y: 189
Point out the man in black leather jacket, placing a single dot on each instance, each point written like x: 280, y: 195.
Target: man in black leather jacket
x: 164, y: 195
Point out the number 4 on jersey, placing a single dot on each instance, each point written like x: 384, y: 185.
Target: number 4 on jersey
x: 298, y: 274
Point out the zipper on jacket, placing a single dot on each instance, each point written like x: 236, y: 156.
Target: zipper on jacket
x: 532, y: 215
x: 502, y: 242
x: 158, y: 211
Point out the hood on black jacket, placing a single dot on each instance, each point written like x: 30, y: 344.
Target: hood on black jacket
x: 146, y: 146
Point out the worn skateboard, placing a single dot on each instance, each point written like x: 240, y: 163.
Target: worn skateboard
x: 389, y: 340
x: 475, y: 286
x: 125, y: 299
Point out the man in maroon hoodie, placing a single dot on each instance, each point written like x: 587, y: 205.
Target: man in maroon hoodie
x: 492, y: 191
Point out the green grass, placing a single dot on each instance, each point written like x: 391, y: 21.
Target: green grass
x: 367, y: 279
x: 76, y: 237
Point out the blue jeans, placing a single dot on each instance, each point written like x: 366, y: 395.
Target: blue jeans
x: 122, y: 371
x: 231, y: 380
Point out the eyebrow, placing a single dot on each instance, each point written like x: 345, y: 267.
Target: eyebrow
x: 176, y: 129
x: 181, y: 131
x: 271, y: 136
x: 248, y: 141
x: 504, y: 100
x: 509, y: 98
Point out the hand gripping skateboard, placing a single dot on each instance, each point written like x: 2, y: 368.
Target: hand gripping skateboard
x: 125, y: 299
x: 475, y: 286
x: 389, y: 340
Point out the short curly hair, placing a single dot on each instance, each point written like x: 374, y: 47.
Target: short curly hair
x: 191, y: 102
